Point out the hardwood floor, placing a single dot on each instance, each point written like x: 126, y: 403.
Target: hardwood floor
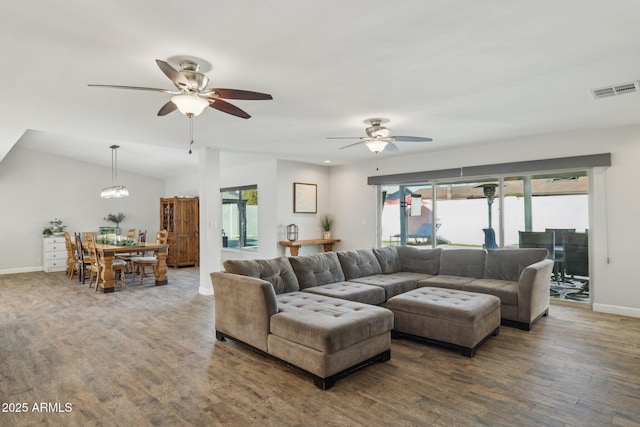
x: 147, y: 355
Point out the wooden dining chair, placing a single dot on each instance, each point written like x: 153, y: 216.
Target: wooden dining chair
x: 71, y: 259
x: 97, y: 264
x: 140, y: 263
x: 131, y: 234
x: 126, y: 257
x: 82, y: 262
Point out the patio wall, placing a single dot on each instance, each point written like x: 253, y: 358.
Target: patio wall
x: 462, y: 221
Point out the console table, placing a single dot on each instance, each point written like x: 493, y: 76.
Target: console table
x: 294, y: 246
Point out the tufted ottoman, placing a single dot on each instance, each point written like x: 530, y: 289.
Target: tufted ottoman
x: 458, y: 319
x: 328, y: 337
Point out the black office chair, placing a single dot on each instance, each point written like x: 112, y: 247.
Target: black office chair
x: 541, y: 239
x: 559, y: 232
x: 576, y: 247
x: 538, y: 239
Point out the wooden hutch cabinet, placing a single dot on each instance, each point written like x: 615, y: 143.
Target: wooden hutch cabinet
x: 180, y: 217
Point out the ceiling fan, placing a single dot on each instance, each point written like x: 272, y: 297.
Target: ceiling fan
x: 378, y: 137
x: 192, y: 95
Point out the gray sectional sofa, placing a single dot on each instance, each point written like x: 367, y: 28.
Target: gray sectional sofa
x: 325, y: 313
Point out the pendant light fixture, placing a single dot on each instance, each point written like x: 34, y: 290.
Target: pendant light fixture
x: 115, y: 190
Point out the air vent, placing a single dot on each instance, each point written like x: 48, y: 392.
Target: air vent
x: 619, y: 89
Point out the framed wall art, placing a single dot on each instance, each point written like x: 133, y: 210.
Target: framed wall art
x: 305, y: 198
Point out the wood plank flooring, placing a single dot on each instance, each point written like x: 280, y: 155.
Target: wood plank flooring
x: 147, y: 355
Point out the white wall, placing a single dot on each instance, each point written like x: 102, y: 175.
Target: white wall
x: 36, y: 187
x: 308, y: 223
x: 275, y: 201
x: 615, y: 208
x: 182, y: 186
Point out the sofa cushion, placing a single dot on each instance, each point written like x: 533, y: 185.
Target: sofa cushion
x: 327, y: 324
x: 507, y: 264
x: 392, y: 284
x: 445, y: 281
x: 462, y: 262
x: 351, y: 291
x: 388, y: 259
x: 410, y: 275
x: 317, y: 269
x: 358, y: 263
x: 506, y: 290
x: 276, y: 271
x: 419, y: 260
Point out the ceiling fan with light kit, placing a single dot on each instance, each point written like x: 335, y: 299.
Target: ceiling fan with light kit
x: 192, y: 95
x: 378, y: 137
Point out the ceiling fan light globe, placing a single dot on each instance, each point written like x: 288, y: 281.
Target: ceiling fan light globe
x: 376, y: 145
x: 190, y: 105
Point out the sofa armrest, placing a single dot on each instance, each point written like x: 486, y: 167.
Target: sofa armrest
x: 533, y: 290
x: 243, y: 307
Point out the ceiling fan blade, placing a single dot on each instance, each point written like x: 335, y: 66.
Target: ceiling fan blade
x: 173, y: 74
x: 151, y: 89
x: 225, y: 107
x: 355, y: 143
x: 410, y: 139
x: 167, y: 108
x: 391, y: 147
x: 236, y: 94
x: 345, y: 137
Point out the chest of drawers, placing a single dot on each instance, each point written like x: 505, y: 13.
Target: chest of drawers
x: 54, y: 254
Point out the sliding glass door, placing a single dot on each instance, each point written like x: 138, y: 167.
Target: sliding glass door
x: 491, y: 212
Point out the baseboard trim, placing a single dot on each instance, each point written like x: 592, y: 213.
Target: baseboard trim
x: 20, y: 270
x: 205, y: 291
x: 616, y: 309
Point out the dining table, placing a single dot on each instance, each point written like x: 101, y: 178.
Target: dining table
x: 108, y: 252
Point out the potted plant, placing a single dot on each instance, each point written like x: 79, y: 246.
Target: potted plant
x: 116, y: 219
x: 326, y: 223
x: 55, y: 229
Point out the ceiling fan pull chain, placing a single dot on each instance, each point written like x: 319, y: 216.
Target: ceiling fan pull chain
x: 190, y: 132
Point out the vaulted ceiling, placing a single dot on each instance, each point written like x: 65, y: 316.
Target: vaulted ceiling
x: 461, y: 72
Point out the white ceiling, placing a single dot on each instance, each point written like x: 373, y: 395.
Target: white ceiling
x: 460, y: 72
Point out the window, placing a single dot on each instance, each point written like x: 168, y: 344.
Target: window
x: 240, y: 217
x: 464, y: 209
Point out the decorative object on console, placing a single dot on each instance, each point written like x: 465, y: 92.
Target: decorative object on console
x: 56, y: 228
x: 115, y: 190
x: 326, y: 222
x: 292, y: 232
